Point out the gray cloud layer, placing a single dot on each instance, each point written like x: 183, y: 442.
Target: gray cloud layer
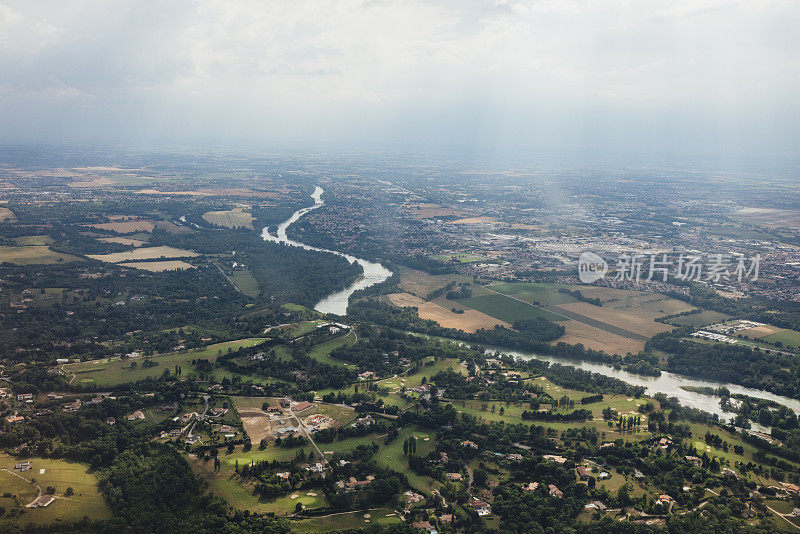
x: 704, y: 76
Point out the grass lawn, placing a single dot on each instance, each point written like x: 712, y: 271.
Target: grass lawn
x: 783, y: 507
x: 506, y: 308
x: 321, y: 352
x: 787, y: 337
x: 706, y: 317
x: 391, y: 456
x: 112, y: 372
x: 246, y: 282
x: 86, y: 500
x: 347, y: 520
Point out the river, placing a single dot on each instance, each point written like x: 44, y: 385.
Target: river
x: 668, y: 383
x: 374, y: 273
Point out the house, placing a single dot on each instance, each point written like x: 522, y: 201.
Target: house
x: 191, y: 440
x: 470, y: 444
x: 666, y: 499
x: 23, y: 466
x: 665, y: 442
x: 695, y: 460
x: 727, y: 471
x: 366, y: 375
x: 446, y: 518
x: 135, y: 416
x: 301, y: 406
x: 412, y: 498
x: 481, y: 507
x: 225, y: 429
x: 217, y: 412
x: 14, y: 419
x: 554, y: 491
x: 424, y: 525
x: 456, y: 477
x: 597, y: 505
x: 285, y: 402
x: 530, y: 487
x: 584, y: 473
x: 283, y: 476
x: 41, y: 501
x: 556, y: 458
x: 111, y: 421
x: 515, y: 457
x: 790, y: 488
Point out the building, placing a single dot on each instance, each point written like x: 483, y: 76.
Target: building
x: 584, y: 473
x: 530, y: 487
x: 455, y: 477
x: 481, y: 507
x: 301, y: 406
x: 554, y: 491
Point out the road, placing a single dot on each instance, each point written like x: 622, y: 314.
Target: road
x: 29, y: 481
x: 307, y: 435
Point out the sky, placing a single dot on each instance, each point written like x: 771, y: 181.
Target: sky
x: 704, y: 77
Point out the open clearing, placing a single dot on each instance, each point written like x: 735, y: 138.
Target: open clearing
x: 33, y: 240
x: 126, y: 227
x: 86, y: 500
x: 506, y: 308
x: 706, y: 317
x: 421, y: 284
x: 346, y: 521
x: 159, y: 266
x: 429, y: 211
x: 787, y: 337
x: 230, y: 218
x: 618, y: 319
x: 122, y: 241
x: 469, y: 321
x: 597, y: 339
x: 30, y: 255
x: 112, y: 372
x: 246, y: 283
x: 144, y: 253
x: 6, y: 215
x: 255, y: 420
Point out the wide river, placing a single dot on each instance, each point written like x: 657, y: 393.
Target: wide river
x: 667, y: 383
x: 374, y: 273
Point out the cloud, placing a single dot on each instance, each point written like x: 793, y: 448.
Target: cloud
x: 460, y: 71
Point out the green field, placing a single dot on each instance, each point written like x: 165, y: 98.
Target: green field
x: 544, y: 294
x: 789, y: 338
x: 507, y: 309
x: 246, y: 283
x: 391, y: 456
x: 321, y: 352
x: 112, y: 372
x: 704, y: 318
x: 461, y: 257
x: 86, y: 500
x: 346, y: 521
x: 32, y: 255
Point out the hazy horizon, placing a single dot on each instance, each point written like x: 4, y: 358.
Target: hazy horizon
x: 710, y: 79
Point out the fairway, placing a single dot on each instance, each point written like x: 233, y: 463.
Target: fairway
x: 346, y: 521
x: 32, y: 255
x: 112, y: 372
x: 85, y: 501
x: 507, y: 309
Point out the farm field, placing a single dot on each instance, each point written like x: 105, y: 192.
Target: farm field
x: 789, y: 338
x: 230, y: 218
x: 704, y: 318
x: 506, y: 308
x: 6, y: 215
x: 33, y: 255
x: 461, y: 257
x: 469, y: 321
x: 158, y: 266
x: 122, y: 241
x: 112, y: 372
x: 597, y: 339
x: 144, y: 253
x: 86, y: 500
x: 31, y: 240
x: 623, y: 321
x: 421, y: 284
x: 246, y: 282
x: 126, y: 227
